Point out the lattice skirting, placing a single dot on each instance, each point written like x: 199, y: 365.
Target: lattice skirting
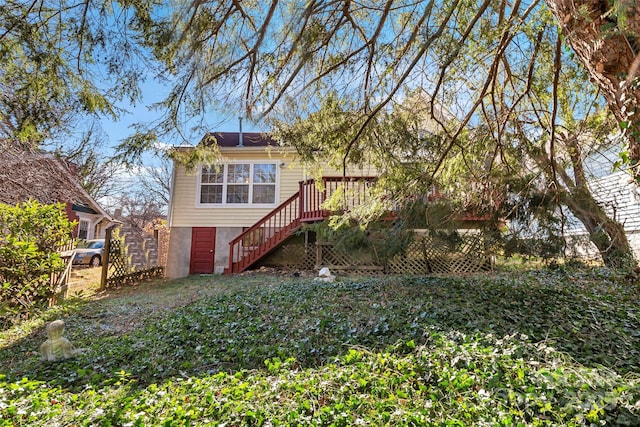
x: 426, y: 255
x: 300, y: 258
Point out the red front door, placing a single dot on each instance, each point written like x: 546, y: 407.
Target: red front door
x: 203, y: 245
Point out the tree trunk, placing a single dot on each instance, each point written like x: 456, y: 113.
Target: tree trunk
x: 606, y: 233
x: 605, y: 35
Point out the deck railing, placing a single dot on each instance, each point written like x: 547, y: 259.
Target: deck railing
x: 351, y: 193
x: 264, y: 235
x: 307, y: 205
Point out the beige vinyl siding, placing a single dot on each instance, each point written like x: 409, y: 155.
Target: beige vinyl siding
x: 186, y: 212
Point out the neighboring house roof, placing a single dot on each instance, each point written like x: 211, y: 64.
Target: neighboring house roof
x: 82, y: 208
x: 43, y: 177
x: 619, y: 197
x: 615, y: 191
x: 32, y: 175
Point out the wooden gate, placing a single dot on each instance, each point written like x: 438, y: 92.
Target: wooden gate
x: 60, y: 281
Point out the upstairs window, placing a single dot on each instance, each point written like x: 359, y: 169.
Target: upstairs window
x: 211, y: 184
x: 264, y: 183
x: 238, y: 184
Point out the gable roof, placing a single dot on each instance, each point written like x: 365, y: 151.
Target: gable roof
x: 33, y: 175
x: 43, y: 177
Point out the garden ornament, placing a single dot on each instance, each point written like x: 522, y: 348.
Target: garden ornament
x: 57, y: 347
x: 325, y: 275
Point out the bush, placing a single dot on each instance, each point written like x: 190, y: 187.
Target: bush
x: 378, y: 242
x: 548, y: 247
x: 29, y: 235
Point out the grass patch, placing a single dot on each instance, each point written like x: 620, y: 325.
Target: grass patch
x: 539, y: 348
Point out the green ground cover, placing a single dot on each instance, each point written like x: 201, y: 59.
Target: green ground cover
x: 537, y: 348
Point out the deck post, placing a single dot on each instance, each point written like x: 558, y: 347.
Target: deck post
x: 106, y: 258
x: 318, y: 255
x: 323, y: 196
x: 302, y: 194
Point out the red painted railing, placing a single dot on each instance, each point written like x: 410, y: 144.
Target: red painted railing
x: 264, y: 235
x: 307, y: 205
x: 312, y: 200
x: 304, y: 206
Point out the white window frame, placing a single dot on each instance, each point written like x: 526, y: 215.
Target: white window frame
x: 224, y: 169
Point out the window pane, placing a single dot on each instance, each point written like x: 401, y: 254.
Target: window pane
x: 211, y: 175
x: 83, y: 229
x: 238, y: 194
x: 211, y: 194
x: 264, y: 194
x: 238, y: 174
x: 264, y: 174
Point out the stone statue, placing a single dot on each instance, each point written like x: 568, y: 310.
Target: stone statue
x: 325, y: 275
x: 57, y: 347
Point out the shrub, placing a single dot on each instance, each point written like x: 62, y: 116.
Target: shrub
x: 377, y: 242
x: 29, y: 235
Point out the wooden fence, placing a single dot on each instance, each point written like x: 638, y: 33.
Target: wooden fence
x: 60, y: 281
x: 117, y: 270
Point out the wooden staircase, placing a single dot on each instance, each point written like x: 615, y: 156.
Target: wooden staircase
x: 265, y: 235
x: 305, y: 206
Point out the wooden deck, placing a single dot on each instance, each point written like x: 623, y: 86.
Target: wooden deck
x: 305, y: 206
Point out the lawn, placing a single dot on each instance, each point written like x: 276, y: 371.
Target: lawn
x: 546, y: 347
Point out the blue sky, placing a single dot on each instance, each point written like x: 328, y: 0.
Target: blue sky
x: 116, y: 131
x: 154, y: 92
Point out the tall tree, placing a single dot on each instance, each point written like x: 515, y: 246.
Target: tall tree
x: 336, y: 70
x: 269, y: 60
x: 604, y: 35
x: 90, y: 166
x: 139, y: 209
x: 156, y: 181
x: 63, y: 65
x: 604, y: 231
x: 65, y: 60
x: 559, y: 125
x: 540, y: 117
x: 61, y: 59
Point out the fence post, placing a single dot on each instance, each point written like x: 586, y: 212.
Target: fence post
x: 318, y: 255
x: 105, y: 258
